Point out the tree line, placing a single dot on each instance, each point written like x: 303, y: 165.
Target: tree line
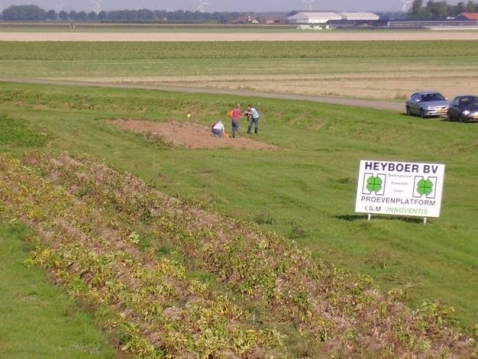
x: 438, y: 10
x: 35, y: 13
x: 432, y: 10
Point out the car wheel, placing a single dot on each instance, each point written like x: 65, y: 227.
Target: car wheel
x: 422, y: 113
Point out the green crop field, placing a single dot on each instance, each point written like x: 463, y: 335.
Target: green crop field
x: 384, y: 70
x: 79, y: 198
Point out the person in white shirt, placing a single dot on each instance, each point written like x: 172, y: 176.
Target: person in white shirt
x: 217, y: 129
x: 253, y: 117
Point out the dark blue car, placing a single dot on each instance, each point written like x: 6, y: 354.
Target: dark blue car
x: 463, y: 108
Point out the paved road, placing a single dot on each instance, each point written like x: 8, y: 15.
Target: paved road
x: 391, y: 106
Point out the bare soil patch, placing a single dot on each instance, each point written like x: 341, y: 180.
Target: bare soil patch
x: 191, y: 135
x: 78, y: 35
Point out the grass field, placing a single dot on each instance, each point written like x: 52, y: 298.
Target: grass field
x: 39, y: 321
x: 384, y: 70
x: 304, y: 191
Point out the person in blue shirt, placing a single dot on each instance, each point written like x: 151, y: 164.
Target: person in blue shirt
x: 253, y: 117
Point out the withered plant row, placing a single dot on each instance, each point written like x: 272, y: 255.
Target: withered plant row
x: 335, y: 312
x: 149, y: 304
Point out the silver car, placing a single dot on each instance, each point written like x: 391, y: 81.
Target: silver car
x: 427, y: 104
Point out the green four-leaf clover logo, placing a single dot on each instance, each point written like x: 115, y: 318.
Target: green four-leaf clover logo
x: 424, y: 187
x: 374, y: 184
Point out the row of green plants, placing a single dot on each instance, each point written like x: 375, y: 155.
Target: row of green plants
x: 147, y: 264
x: 114, y: 51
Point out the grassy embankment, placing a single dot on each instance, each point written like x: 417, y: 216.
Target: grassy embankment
x: 38, y: 320
x: 304, y: 190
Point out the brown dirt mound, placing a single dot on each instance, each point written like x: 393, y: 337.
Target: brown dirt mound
x: 190, y: 135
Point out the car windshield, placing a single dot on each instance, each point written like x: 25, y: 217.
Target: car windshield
x: 433, y: 97
x: 469, y: 100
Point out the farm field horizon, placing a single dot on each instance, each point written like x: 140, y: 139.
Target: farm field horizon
x: 376, y: 65
x: 301, y: 188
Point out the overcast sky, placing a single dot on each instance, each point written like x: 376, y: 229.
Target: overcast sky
x: 219, y: 5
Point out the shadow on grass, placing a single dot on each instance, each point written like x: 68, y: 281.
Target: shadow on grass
x: 469, y: 122
x: 361, y: 217
x: 438, y: 118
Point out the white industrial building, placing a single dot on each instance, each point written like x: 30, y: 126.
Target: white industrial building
x: 313, y: 17
x: 359, y: 16
x: 317, y: 17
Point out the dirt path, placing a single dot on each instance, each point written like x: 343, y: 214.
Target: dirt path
x: 385, y: 35
x: 381, y: 105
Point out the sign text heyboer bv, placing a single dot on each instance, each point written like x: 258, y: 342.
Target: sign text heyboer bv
x: 400, y: 188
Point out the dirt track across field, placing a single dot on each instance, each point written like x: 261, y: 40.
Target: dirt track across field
x: 300, y: 35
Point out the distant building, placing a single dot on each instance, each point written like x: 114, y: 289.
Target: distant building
x: 263, y: 18
x: 245, y: 18
x: 359, y: 16
x: 355, y: 20
x: 318, y: 17
x: 467, y: 16
x: 462, y: 21
x: 272, y: 17
x: 312, y: 17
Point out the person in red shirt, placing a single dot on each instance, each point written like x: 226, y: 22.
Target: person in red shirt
x: 235, y: 115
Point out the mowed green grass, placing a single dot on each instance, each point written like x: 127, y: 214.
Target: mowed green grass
x: 38, y: 320
x: 342, y: 60
x: 304, y: 190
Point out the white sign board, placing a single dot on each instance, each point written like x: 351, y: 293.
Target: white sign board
x: 400, y: 188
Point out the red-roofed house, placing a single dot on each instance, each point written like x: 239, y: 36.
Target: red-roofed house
x: 467, y: 16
